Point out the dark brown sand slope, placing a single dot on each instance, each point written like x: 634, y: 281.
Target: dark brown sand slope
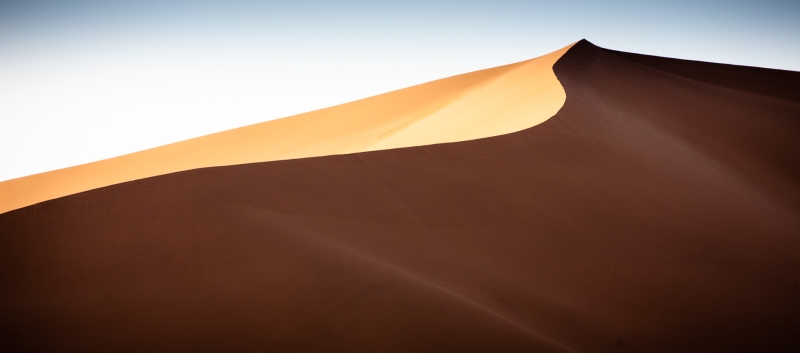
x: 658, y: 211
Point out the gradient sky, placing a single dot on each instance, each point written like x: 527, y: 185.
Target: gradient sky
x: 86, y: 80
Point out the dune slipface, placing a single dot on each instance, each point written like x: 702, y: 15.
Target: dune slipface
x: 657, y: 211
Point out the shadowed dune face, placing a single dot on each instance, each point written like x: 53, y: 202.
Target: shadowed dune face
x: 656, y: 212
x: 480, y: 104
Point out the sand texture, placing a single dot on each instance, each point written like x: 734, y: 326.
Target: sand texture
x: 657, y: 211
x: 475, y: 105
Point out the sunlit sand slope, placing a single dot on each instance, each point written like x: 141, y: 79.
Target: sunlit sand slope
x: 475, y: 105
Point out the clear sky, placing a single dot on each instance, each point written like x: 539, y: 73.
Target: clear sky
x: 92, y: 79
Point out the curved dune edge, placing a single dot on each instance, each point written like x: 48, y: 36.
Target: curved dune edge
x: 470, y: 106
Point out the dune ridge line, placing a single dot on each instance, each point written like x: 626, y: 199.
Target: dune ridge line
x: 470, y: 106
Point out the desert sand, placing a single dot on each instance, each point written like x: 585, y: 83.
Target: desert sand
x: 657, y: 211
x: 475, y: 105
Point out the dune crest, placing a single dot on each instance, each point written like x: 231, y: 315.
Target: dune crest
x: 475, y: 105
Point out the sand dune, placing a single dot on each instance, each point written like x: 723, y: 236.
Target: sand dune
x: 657, y: 211
x: 476, y: 105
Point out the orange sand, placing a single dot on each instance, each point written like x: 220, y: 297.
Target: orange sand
x: 475, y: 105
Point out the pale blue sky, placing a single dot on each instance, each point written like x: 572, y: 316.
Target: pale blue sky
x: 86, y: 80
